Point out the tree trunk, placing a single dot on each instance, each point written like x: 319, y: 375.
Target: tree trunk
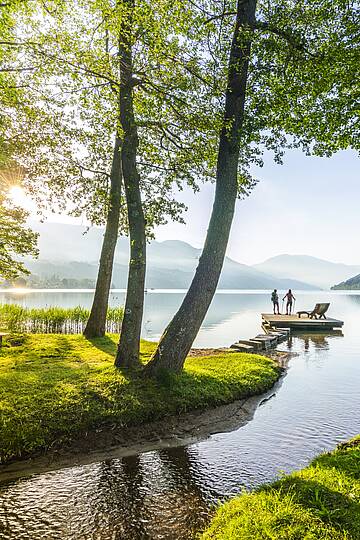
x: 96, y: 324
x: 182, y: 330
x: 129, y: 344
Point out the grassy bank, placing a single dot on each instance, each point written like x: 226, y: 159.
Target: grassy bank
x: 54, y: 320
x: 321, y: 502
x: 54, y: 387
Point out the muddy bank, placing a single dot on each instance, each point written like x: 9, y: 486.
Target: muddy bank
x: 172, y: 431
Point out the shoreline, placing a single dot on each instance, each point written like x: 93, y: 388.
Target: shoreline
x: 318, y: 501
x: 171, y: 431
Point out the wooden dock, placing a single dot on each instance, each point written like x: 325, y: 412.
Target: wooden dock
x: 278, y: 328
x: 300, y: 323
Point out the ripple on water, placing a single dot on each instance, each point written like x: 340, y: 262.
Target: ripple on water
x: 168, y: 494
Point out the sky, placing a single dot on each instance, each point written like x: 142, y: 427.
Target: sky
x: 308, y: 206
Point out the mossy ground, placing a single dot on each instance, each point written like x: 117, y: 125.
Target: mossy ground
x: 54, y: 387
x: 320, y: 502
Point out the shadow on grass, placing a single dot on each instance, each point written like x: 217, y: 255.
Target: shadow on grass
x: 109, y: 345
x: 58, y: 386
x: 346, y: 460
x: 104, y: 344
x: 332, y: 507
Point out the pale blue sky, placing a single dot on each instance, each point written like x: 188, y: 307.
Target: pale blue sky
x: 307, y: 206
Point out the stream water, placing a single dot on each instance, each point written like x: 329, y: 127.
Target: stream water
x: 170, y: 493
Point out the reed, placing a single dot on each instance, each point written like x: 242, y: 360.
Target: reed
x: 53, y: 320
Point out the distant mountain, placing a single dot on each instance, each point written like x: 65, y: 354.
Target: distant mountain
x: 234, y: 275
x: 312, y: 270
x: 350, y: 284
x: 60, y: 242
x: 67, y: 253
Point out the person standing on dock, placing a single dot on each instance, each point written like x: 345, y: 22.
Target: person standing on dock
x: 275, y: 301
x: 289, y: 301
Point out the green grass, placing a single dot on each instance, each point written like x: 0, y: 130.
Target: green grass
x: 321, y: 502
x: 54, y: 320
x: 54, y: 387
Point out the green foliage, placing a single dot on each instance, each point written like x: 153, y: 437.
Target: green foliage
x: 15, y: 239
x: 54, y: 320
x: 55, y: 387
x: 321, y: 502
x: 301, y: 91
x: 304, y: 68
x: 73, y: 119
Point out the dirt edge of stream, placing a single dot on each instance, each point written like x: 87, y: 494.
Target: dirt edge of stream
x: 171, y: 431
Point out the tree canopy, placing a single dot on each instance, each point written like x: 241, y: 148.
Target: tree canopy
x: 68, y: 61
x: 15, y: 238
x: 301, y: 91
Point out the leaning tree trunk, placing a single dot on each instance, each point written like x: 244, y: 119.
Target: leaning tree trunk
x: 182, y: 330
x: 129, y: 344
x: 96, y: 324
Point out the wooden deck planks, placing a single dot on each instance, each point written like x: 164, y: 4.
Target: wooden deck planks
x: 301, y: 323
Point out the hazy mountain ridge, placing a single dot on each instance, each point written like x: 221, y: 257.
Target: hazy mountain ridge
x: 319, y: 272
x: 48, y: 273
x: 67, y: 253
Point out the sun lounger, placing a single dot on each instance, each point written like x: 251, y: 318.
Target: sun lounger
x: 317, y: 313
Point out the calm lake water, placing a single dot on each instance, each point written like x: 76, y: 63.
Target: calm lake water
x: 169, y: 494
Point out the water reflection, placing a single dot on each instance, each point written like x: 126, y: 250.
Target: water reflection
x: 122, y: 507
x: 318, y: 340
x: 151, y: 496
x: 169, y: 494
x: 190, y: 501
x: 232, y: 315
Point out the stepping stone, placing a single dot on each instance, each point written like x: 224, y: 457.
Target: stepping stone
x: 285, y: 331
x: 256, y: 344
x: 242, y: 347
x: 265, y: 337
x: 266, y: 340
x: 281, y: 335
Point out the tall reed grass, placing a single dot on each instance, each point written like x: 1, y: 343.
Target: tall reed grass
x: 54, y: 320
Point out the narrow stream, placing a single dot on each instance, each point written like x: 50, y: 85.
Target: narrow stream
x: 169, y: 494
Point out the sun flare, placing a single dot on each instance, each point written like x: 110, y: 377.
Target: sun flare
x: 17, y: 195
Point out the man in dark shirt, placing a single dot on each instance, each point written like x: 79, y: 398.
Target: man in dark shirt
x: 275, y: 301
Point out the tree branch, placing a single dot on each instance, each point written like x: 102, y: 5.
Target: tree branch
x: 18, y: 70
x: 36, y: 49
x: 220, y: 16
x: 82, y: 168
x: 289, y: 36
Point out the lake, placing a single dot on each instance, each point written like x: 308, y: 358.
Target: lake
x: 170, y: 493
